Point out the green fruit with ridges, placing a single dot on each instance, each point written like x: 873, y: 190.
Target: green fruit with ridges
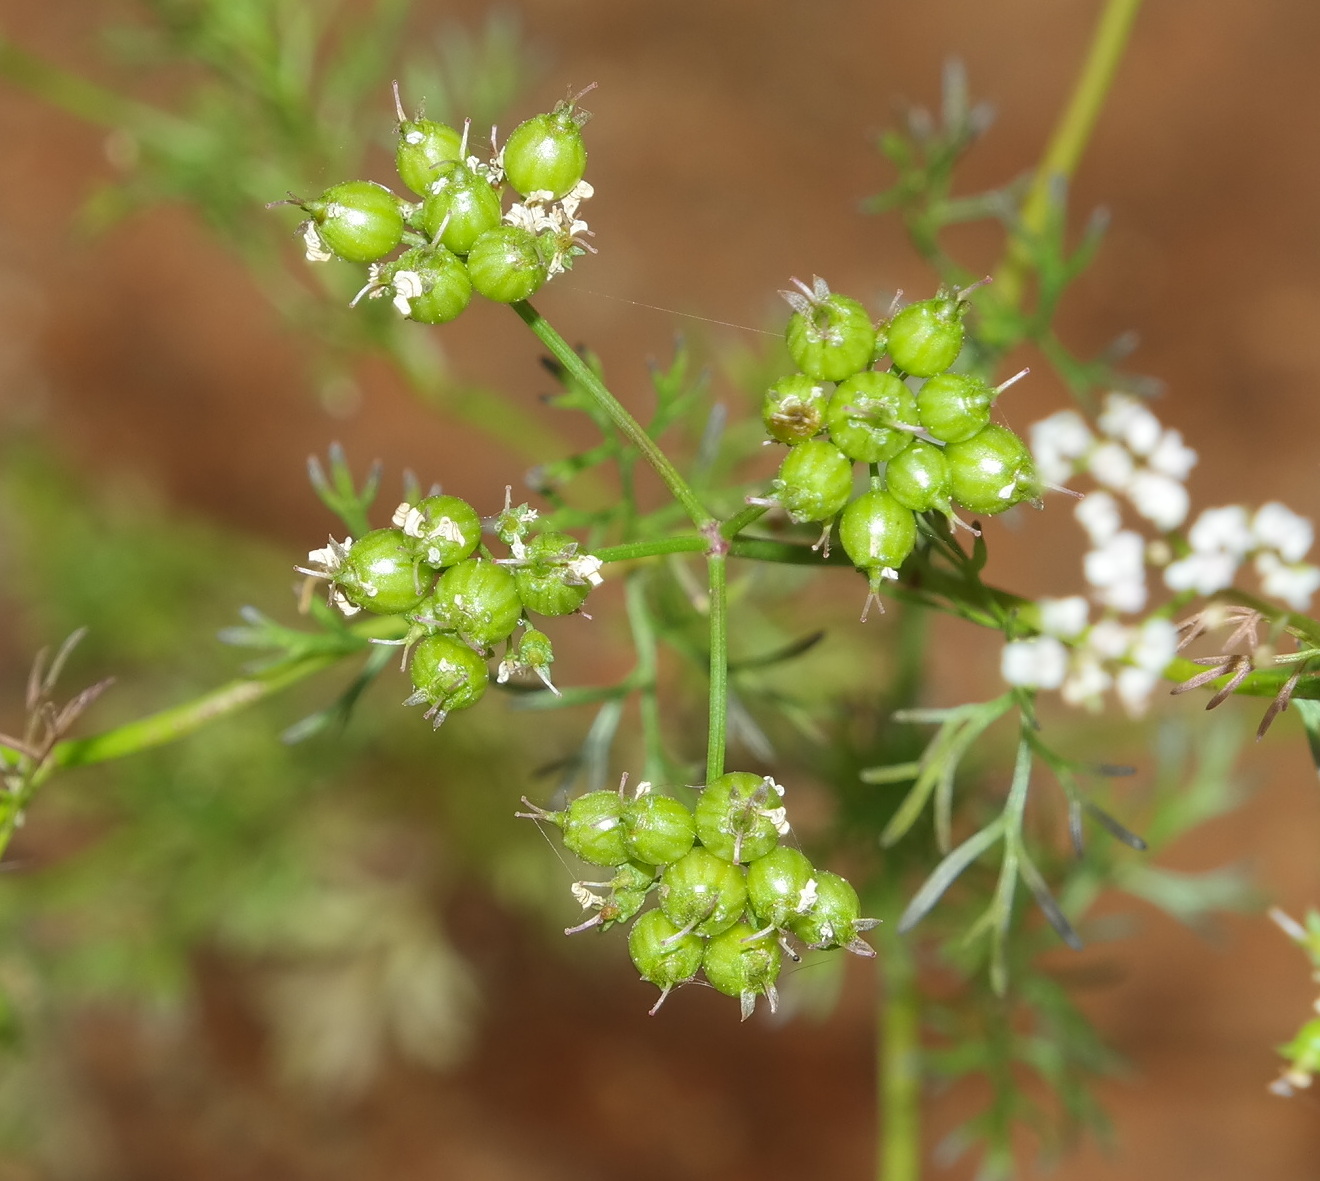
x: 702, y: 893
x: 553, y: 577
x: 992, y: 471
x: 546, y: 153
x: 446, y: 529
x: 743, y: 964
x: 423, y: 146
x: 781, y: 887
x: 835, y: 919
x: 446, y: 675
x: 831, y: 339
x: 430, y: 284
x: 954, y: 406
x: 814, y: 481
x: 918, y: 478
x: 740, y: 816
x: 663, y: 956
x: 359, y: 220
x: 877, y: 532
x: 658, y: 830
x: 478, y: 599
x: 506, y: 264
x: 380, y: 575
x: 925, y: 338
x: 463, y: 203
x: 867, y: 415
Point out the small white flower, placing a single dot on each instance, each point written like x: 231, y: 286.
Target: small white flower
x: 1222, y: 530
x: 1294, y: 583
x: 1119, y: 560
x: 585, y: 898
x: 1134, y: 687
x: 1109, y: 639
x: 585, y: 568
x: 1172, y: 457
x: 1057, y: 442
x: 1037, y: 663
x: 1098, y: 514
x: 1111, y: 464
x: 1161, y: 499
x: 1204, y: 573
x: 1156, y: 644
x: 807, y: 898
x: 1086, y: 683
x: 1065, y: 618
x: 1279, y: 528
x: 314, y: 247
x: 407, y: 286
x: 1128, y: 420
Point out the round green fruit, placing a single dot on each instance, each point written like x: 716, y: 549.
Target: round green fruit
x: 992, y: 471
x: 446, y: 675
x: 658, y: 830
x: 870, y: 417
x: 506, y: 265
x: 359, y: 220
x: 831, y: 337
x: 814, y: 481
x: 459, y: 207
x: 663, y: 954
x: 925, y: 338
x: 740, y: 816
x: 702, y: 893
x: 478, y: 599
x: 742, y: 963
x: 546, y: 153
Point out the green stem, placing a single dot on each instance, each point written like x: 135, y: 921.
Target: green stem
x: 644, y: 672
x: 633, y: 550
x: 1064, y: 150
x: 899, y: 1063
x: 717, y: 567
x: 627, y: 425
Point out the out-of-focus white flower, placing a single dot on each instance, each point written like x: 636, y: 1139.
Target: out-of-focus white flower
x: 1111, y: 464
x: 1117, y: 569
x: 1203, y: 573
x: 1223, y: 529
x: 1295, y: 583
x: 1058, y: 442
x: 1161, y: 499
x: 1064, y: 618
x: 1277, y: 527
x: 1098, y: 514
x: 1037, y: 663
x: 1172, y: 457
x: 1130, y: 421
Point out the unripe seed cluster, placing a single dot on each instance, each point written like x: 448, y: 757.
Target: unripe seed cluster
x: 460, y: 602
x: 728, y: 894
x: 885, y: 395
x: 458, y: 237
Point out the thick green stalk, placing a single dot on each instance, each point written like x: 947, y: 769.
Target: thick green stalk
x: 717, y: 568
x: 1064, y: 150
x: 627, y: 425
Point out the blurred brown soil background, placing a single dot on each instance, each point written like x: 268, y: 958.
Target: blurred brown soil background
x: 729, y: 150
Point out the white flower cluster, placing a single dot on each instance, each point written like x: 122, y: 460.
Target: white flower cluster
x: 1084, y: 660
x: 1136, y: 459
x: 1133, y: 456
x: 539, y: 213
x: 1222, y: 539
